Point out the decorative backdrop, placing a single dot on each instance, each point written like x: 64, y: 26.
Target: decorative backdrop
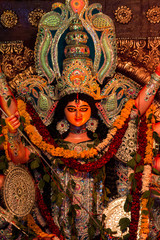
x: 137, y: 26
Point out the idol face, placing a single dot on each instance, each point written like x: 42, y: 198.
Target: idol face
x: 77, y: 112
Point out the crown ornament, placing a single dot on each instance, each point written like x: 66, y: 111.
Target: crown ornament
x: 77, y: 75
x: 75, y: 51
x: 76, y: 47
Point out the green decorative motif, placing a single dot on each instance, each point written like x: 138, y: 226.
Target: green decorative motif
x: 56, y: 25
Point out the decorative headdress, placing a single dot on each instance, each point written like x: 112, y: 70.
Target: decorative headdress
x: 75, y: 51
x: 89, y: 46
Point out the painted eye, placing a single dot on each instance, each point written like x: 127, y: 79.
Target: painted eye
x: 70, y: 109
x: 84, y: 109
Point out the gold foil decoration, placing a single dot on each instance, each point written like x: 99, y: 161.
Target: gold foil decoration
x: 11, y: 47
x: 140, y: 52
x: 9, y: 19
x: 13, y: 63
x: 123, y: 14
x: 35, y: 16
x: 153, y: 14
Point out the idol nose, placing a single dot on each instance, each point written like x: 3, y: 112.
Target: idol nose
x: 78, y: 113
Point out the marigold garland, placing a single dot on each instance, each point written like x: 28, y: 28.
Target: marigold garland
x: 150, y: 120
x: 146, y: 178
x: 68, y: 155
x: 36, y: 138
x: 46, y: 214
x: 136, y: 195
x: 118, y: 123
x: 37, y: 229
x: 115, y: 135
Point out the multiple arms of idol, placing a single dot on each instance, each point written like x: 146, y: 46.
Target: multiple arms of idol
x: 20, y: 154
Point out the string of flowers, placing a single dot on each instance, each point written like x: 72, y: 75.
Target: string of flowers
x: 136, y: 193
x: 36, y: 138
x: 32, y: 225
x: 46, y: 214
x: 71, y: 162
x: 150, y: 120
x: 118, y: 124
x: 146, y: 177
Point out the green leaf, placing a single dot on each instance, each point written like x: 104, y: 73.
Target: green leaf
x: 21, y: 127
x: 59, y: 200
x: 129, y: 198
x: 139, y: 168
x: 155, y: 192
x: 134, y: 184
x: 146, y: 194
x: 41, y: 184
x: 77, y: 207
x: 125, y: 237
x: 156, y: 137
x: 91, y: 232
x: 9, y: 102
x: 145, y: 212
x: 155, y: 171
x: 127, y: 206
x: 53, y: 198
x: 150, y: 116
x: 124, y: 223
x: 46, y: 178
x: 2, y: 165
x: 138, y: 158
x: 131, y: 163
x: 22, y: 119
x: 54, y: 186
x: 73, y: 184
x: 137, y: 120
x: 32, y: 156
x: 131, y: 177
x: 133, y: 154
x: 34, y: 164
x: 2, y: 139
x: 2, y: 121
x: 150, y: 203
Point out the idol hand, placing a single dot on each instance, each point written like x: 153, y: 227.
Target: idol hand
x: 13, y: 122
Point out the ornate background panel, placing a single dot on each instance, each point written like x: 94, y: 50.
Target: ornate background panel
x: 137, y: 25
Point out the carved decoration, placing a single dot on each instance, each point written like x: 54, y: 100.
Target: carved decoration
x: 141, y: 52
x: 35, y: 16
x: 136, y: 58
x: 153, y: 14
x: 10, y: 47
x: 15, y: 62
x: 123, y: 14
x: 9, y: 19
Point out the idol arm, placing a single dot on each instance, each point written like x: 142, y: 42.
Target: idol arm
x: 17, y: 151
x: 20, y: 154
x: 7, y: 100
x: 147, y: 94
